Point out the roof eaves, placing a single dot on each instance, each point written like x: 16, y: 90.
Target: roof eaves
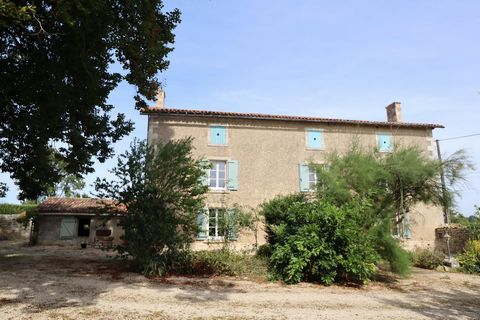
x: 234, y: 115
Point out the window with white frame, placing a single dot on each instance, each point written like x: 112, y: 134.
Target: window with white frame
x: 215, y: 219
x: 217, y: 175
x: 312, y: 179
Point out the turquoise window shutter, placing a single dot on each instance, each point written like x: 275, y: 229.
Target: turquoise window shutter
x: 314, y: 139
x: 303, y: 170
x: 233, y: 175
x: 232, y: 216
x: 384, y: 142
x: 407, y: 232
x: 218, y: 135
x: 202, y: 227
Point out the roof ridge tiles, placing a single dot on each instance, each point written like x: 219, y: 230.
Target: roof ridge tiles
x: 261, y: 116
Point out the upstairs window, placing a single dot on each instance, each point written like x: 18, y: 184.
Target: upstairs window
x: 217, y: 175
x: 314, y: 139
x: 222, y: 174
x: 218, y: 135
x: 384, y: 142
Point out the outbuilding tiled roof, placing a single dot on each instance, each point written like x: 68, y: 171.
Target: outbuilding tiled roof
x: 260, y: 116
x: 80, y: 205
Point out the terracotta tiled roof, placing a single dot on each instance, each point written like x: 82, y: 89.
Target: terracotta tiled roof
x: 259, y: 116
x: 80, y: 205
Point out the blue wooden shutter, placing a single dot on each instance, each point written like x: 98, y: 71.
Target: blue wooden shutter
x: 303, y: 171
x: 218, y: 135
x: 233, y: 175
x: 314, y: 139
x: 384, y: 142
x: 202, y: 225
x: 67, y: 228
x: 407, y: 232
x: 232, y: 218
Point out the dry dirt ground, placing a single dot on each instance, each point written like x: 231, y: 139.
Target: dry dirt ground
x: 59, y: 283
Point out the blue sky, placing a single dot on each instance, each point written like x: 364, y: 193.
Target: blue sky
x: 342, y: 59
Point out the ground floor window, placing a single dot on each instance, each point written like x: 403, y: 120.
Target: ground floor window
x: 215, y: 219
x: 83, y: 227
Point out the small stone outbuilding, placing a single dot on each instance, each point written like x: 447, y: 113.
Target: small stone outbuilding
x: 79, y: 221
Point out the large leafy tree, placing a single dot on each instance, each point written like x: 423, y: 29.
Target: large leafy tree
x: 3, y: 189
x: 162, y: 190
x: 56, y: 75
x: 69, y: 185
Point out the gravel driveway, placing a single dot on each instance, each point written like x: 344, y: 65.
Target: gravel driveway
x: 59, y: 283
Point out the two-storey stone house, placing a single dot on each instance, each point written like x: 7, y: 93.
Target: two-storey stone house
x: 255, y: 157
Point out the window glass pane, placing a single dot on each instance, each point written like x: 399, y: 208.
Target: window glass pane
x: 213, y: 174
x: 221, y: 175
x: 211, y: 231
x: 213, y: 183
x: 221, y: 183
x: 221, y: 165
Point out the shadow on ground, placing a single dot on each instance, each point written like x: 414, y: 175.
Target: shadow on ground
x: 435, y: 304
x: 38, y: 279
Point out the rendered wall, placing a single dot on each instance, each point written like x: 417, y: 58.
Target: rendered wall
x: 269, y: 152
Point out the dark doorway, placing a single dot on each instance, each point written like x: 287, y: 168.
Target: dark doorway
x: 83, y: 227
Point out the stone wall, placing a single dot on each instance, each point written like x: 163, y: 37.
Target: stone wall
x: 459, y: 236
x: 10, y: 229
x: 268, y: 154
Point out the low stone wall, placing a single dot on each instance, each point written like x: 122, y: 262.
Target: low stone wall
x: 10, y: 229
x: 459, y: 236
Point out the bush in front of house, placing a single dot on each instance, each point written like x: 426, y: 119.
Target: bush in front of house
x: 470, y: 259
x: 318, y: 241
x: 426, y: 259
x: 162, y: 190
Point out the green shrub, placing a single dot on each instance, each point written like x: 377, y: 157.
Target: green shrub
x: 426, y: 259
x: 470, y: 259
x: 318, y: 241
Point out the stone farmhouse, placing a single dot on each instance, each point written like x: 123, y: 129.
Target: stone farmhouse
x: 255, y: 157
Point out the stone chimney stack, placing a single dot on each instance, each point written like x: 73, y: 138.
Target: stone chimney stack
x: 160, y: 99
x: 394, y: 112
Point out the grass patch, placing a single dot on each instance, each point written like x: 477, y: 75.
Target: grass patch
x: 227, y: 263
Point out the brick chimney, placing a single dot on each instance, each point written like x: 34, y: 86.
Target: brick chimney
x: 160, y: 99
x: 394, y: 112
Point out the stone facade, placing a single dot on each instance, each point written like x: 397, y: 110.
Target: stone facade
x: 269, y: 152
x: 458, y: 238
